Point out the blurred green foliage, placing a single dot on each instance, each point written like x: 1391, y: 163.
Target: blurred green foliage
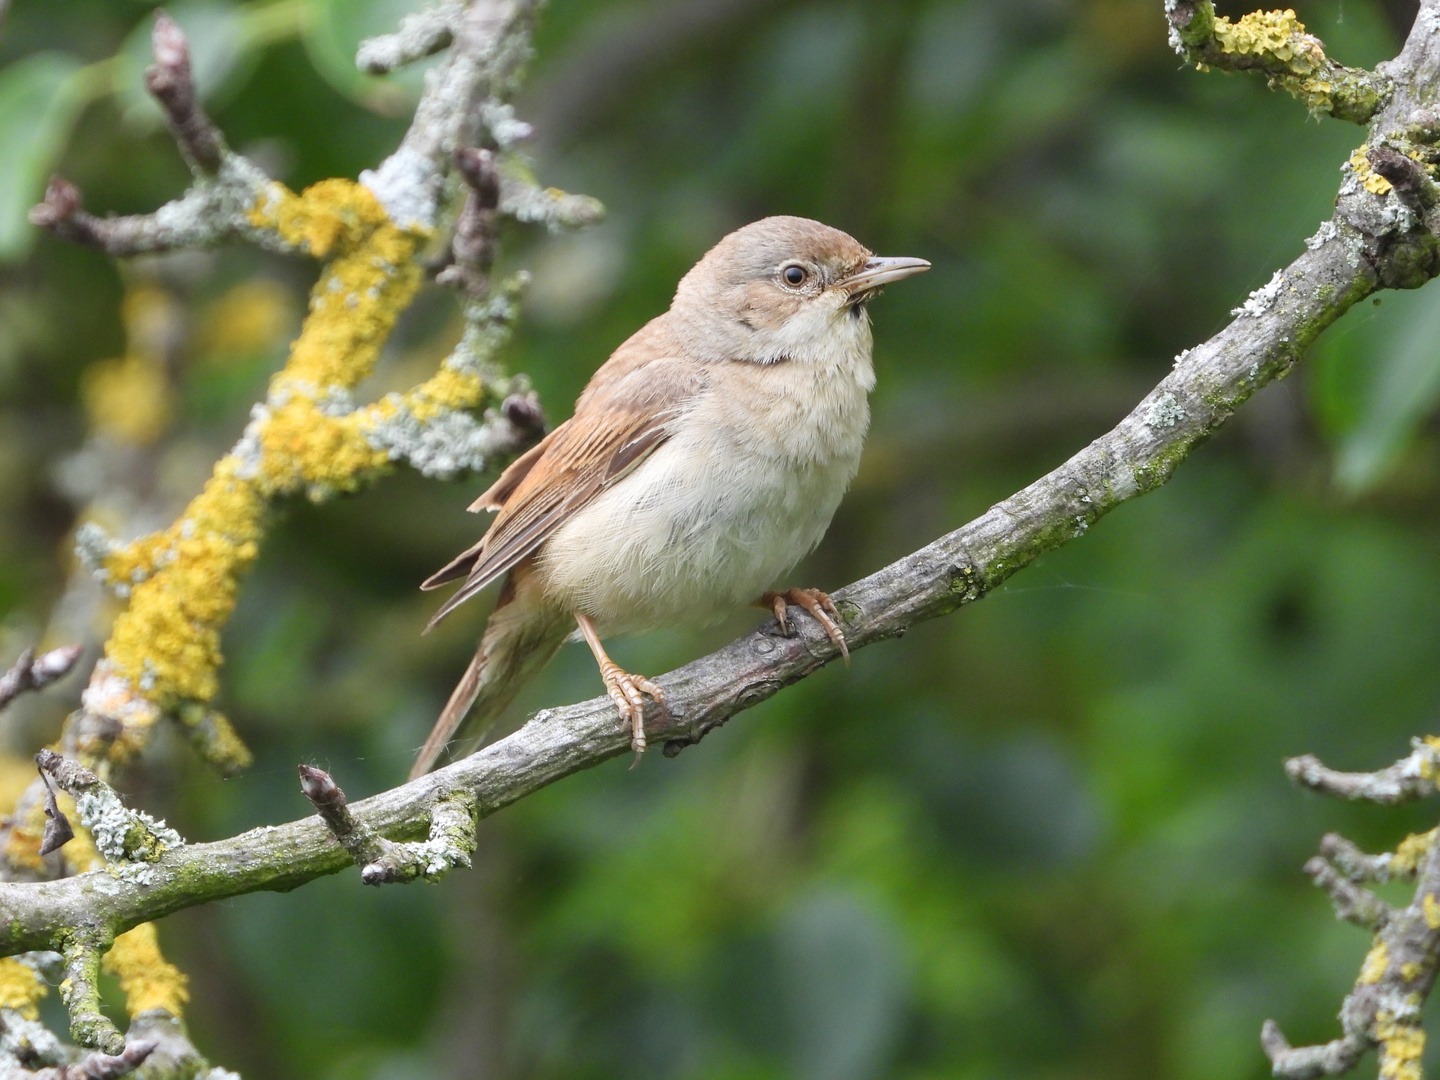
x: 1049, y: 836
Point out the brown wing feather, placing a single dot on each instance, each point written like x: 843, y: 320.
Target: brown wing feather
x: 494, y: 499
x: 499, y: 492
x: 619, y: 423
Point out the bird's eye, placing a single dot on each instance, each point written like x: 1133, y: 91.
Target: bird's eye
x: 795, y: 275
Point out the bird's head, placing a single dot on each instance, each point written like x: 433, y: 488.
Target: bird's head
x: 782, y: 288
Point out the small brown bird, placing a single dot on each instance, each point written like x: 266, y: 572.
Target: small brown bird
x: 704, y: 459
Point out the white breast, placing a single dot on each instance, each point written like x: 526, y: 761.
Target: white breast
x: 744, y: 488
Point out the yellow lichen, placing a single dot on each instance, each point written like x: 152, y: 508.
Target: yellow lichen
x: 16, y: 773
x: 216, y: 738
x: 146, y: 978
x: 448, y: 389
x: 22, y: 846
x: 250, y: 318
x: 128, y: 398
x: 1402, y: 1045
x: 303, y: 446
x: 1272, y: 35
x: 21, y: 988
x: 167, y: 640
x: 1374, y: 183
x: 1410, y: 971
x: 1277, y: 43
x: 1432, y: 911
x: 182, y: 582
x: 1410, y: 851
x: 1376, y: 961
x: 371, y: 277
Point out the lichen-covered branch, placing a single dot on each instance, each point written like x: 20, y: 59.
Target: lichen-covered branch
x: 421, y: 34
x: 217, y: 208
x: 1412, y: 777
x: 308, y: 436
x: 451, y: 841
x: 179, y: 585
x: 1275, y: 44
x: 120, y: 834
x: 1384, y: 1009
x: 80, y: 990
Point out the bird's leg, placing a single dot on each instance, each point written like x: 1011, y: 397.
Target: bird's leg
x: 821, y: 609
x: 624, y: 689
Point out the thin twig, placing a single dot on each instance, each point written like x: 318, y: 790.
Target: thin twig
x: 30, y: 672
x: 170, y: 81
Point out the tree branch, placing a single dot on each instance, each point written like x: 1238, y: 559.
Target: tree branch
x: 1383, y: 1009
x: 31, y: 672
x: 1275, y: 44
x: 1412, y: 777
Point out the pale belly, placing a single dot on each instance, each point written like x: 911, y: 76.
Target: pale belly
x: 701, y: 527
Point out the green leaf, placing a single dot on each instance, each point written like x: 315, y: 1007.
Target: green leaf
x: 1403, y: 388
x: 39, y: 99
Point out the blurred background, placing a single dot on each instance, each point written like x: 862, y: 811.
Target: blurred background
x: 1048, y: 836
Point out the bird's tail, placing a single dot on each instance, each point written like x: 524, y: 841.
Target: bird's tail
x: 522, y: 635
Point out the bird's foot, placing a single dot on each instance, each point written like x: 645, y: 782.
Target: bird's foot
x: 820, y: 608
x: 625, y: 690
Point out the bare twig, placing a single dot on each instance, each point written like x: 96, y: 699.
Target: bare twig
x: 30, y: 672
x: 475, y: 241
x: 216, y: 209
x: 381, y: 861
x: 1352, y: 903
x: 170, y: 80
x: 94, y: 1066
x: 1410, y: 778
x: 329, y: 801
x: 1308, y: 1062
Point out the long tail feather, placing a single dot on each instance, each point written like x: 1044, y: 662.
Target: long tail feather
x: 521, y: 637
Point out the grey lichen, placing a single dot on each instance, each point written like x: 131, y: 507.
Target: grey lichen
x: 450, y: 844
x: 444, y: 447
x: 1165, y: 412
x: 1262, y: 299
x: 27, y: 1043
x: 122, y: 834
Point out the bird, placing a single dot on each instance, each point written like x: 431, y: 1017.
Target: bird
x: 703, y: 460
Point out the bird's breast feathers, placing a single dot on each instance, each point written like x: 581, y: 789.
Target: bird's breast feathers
x: 745, y: 486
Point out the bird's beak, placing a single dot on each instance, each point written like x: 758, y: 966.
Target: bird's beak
x: 882, y: 270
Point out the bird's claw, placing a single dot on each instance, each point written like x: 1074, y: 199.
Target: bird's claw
x: 820, y: 608
x: 625, y: 690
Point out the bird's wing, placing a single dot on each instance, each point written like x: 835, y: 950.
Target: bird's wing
x: 494, y: 498
x: 616, y: 426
